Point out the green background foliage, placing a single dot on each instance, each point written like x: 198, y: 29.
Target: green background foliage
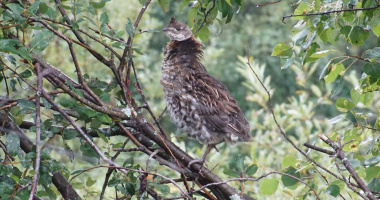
x: 322, y: 72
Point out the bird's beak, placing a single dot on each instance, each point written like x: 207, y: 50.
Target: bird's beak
x: 165, y: 29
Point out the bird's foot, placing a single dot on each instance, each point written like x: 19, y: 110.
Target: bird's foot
x: 199, y: 161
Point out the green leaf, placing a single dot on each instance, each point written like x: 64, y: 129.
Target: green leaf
x: 334, y: 72
x: 12, y: 143
x: 118, y: 145
x: 41, y: 39
x: 372, y: 69
x: 282, y: 49
x: 26, y: 105
x: 165, y: 189
x: 286, y: 62
x: 374, y: 185
x: 314, y: 47
x: 130, y: 28
x: 325, y: 70
x: 164, y: 4
x: 16, y: 8
x: 371, y: 161
x: 269, y: 186
x: 183, y: 4
x: 333, y: 190
x: 26, y: 74
x: 299, y: 37
x: 98, y: 5
x: 289, y: 161
x: 358, y: 35
x: 327, y: 35
x: 89, y: 154
x: 104, y: 118
x: 301, y: 9
x: 376, y: 30
x: 320, y: 54
x: 289, y: 181
x: 372, y: 172
x: 367, y: 98
x: 204, y: 34
x: 344, y: 105
x: 373, y: 53
x: 354, y: 145
x: 34, y: 7
x: 339, y: 183
x: 69, y: 134
x: 251, y: 170
x: 104, y: 18
x: 231, y: 173
x: 90, y: 182
x: 349, y: 16
x: 95, y: 123
x: 101, y: 135
x: 355, y: 96
x: 191, y: 16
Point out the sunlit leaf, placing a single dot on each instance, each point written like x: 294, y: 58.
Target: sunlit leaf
x: 372, y: 172
x: 282, y: 49
x: 344, y: 105
x: 289, y: 161
x: 335, y: 70
x: 269, y: 186
x: 355, y: 96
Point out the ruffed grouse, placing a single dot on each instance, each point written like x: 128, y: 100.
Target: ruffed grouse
x: 198, y: 103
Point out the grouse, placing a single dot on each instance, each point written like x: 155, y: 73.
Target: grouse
x: 198, y: 103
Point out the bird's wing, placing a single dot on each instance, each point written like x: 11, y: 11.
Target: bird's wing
x: 215, y: 104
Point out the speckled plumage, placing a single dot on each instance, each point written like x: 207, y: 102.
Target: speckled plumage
x: 198, y: 103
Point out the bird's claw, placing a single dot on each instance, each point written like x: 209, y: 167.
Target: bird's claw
x: 199, y: 161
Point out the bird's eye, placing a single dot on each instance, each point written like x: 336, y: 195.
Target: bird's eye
x: 178, y: 29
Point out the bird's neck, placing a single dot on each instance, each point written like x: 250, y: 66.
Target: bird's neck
x: 189, y: 47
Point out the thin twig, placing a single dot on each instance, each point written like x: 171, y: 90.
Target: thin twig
x: 145, y: 101
x: 38, y: 131
x: 256, y: 179
x: 280, y: 128
x: 205, y: 17
x: 348, y: 166
x: 329, y: 12
x: 138, y: 171
x: 319, y: 149
x: 269, y: 2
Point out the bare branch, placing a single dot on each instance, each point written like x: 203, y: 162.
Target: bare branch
x: 38, y: 131
x: 329, y: 12
x: 348, y: 166
x: 269, y: 2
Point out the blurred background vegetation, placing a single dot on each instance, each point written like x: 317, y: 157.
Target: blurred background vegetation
x: 303, y: 103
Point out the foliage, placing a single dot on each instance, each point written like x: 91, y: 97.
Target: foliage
x: 100, y: 99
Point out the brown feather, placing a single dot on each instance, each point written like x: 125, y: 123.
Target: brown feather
x: 197, y: 102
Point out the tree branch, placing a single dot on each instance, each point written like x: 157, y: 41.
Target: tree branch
x: 329, y: 12
x: 348, y: 166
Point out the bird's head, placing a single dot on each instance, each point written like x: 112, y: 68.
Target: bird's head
x: 177, y: 30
